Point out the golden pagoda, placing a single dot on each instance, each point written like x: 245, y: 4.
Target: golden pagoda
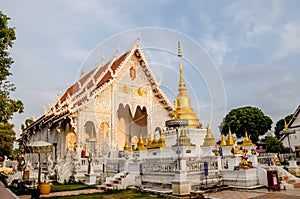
x: 127, y: 147
x: 230, y: 141
x: 161, y: 143
x: 247, y: 141
x: 149, y: 142
x: 223, y: 140
x: 182, y: 109
x: 184, y: 140
x: 140, y: 144
x: 154, y: 142
x: 209, y: 139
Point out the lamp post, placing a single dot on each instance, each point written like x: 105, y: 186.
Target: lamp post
x: 177, y: 123
x: 91, y: 141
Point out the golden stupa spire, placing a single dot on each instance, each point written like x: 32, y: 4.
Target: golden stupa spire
x: 149, y: 142
x: 209, y: 139
x: 182, y: 107
x: 223, y: 140
x: 181, y: 80
x: 247, y: 141
x: 230, y: 141
x: 161, y: 143
x: 184, y: 140
x: 127, y: 147
x: 140, y: 144
x: 285, y: 125
x: 154, y: 142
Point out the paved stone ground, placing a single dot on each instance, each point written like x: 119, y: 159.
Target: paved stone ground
x: 262, y: 193
x: 6, y: 193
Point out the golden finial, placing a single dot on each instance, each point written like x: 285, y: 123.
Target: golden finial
x: 223, y: 140
x: 230, y: 141
x: 181, y: 80
x: 209, y: 139
x: 285, y: 125
x: 127, y: 147
x: 247, y: 141
x: 179, y: 50
x: 140, y: 144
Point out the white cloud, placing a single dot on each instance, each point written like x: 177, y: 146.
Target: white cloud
x: 289, y: 39
x: 217, y: 47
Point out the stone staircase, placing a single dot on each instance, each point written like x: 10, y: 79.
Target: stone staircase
x: 289, y: 183
x: 113, y: 183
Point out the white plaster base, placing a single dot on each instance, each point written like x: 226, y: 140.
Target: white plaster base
x: 181, y: 187
x: 241, y: 178
x: 90, y: 179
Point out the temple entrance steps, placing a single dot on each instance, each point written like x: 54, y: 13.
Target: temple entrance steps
x: 287, y: 183
x: 286, y: 179
x: 121, y: 181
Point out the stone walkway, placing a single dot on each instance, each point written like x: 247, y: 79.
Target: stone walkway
x: 262, y: 193
x: 6, y: 193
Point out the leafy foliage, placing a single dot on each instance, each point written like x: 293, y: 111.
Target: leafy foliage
x: 7, y: 138
x: 274, y: 145
x: 247, y: 118
x: 8, y: 106
x: 280, y: 125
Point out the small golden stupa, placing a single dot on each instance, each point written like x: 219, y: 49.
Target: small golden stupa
x: 182, y: 109
x: 149, y: 142
x: 209, y: 139
x: 184, y: 140
x: 140, y: 144
x: 230, y: 141
x: 127, y: 147
x: 161, y: 143
x: 247, y: 141
x: 223, y: 140
x: 154, y: 142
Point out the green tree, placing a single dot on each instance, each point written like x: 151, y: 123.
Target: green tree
x: 274, y: 145
x: 8, y: 106
x: 280, y: 125
x: 247, y: 118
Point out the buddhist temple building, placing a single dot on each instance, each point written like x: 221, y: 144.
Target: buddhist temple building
x: 111, y: 124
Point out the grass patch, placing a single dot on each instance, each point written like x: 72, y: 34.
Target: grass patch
x: 114, y: 194
x: 70, y: 187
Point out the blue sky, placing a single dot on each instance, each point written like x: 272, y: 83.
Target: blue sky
x: 253, y: 48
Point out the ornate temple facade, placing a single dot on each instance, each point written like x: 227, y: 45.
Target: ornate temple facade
x: 115, y: 124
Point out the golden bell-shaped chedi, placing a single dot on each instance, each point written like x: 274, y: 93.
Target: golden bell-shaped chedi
x: 209, y: 139
x: 149, y: 142
x: 182, y: 109
x: 184, y: 140
x: 161, y: 143
x: 154, y: 142
x: 230, y: 141
x: 140, y: 144
x: 247, y: 141
x: 127, y: 147
x: 223, y: 140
